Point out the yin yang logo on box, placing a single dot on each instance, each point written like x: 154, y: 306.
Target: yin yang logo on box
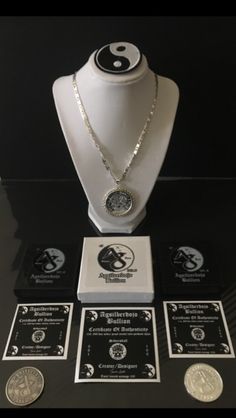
x: 116, y: 257
x: 49, y: 260
x: 187, y: 259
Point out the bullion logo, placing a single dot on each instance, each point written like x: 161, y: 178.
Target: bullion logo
x: 87, y: 370
x: 178, y: 348
x: 49, y: 260
x: 215, y: 307
x: 225, y: 348
x: 23, y: 310
x: 38, y: 336
x: 116, y: 257
x: 146, y: 316
x: 149, y: 370
x: 59, y: 350
x: 13, y: 350
x: 187, y: 259
x: 198, y: 334
x: 172, y: 307
x: 65, y: 309
x: 117, y: 351
x: 91, y: 316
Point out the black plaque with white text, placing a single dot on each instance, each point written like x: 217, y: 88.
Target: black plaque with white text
x: 39, y: 331
x: 197, y: 329
x: 117, y: 345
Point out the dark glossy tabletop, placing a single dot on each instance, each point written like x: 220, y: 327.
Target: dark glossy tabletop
x: 178, y: 210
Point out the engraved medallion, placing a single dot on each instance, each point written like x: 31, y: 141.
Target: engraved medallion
x: 203, y: 382
x: 118, y: 202
x: 24, y: 386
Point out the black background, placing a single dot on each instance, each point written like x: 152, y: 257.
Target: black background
x: 197, y: 52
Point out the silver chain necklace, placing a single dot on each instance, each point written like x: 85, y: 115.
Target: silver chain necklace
x: 118, y: 201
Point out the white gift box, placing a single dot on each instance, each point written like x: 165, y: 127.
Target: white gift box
x: 116, y: 269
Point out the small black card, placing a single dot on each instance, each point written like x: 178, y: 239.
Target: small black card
x: 117, y: 345
x: 48, y: 271
x: 39, y: 332
x: 188, y: 268
x: 197, y: 329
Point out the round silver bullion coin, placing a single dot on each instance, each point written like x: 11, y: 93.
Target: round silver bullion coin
x: 119, y: 202
x: 24, y: 386
x: 203, y: 382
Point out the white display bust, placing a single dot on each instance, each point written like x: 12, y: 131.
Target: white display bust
x: 117, y: 105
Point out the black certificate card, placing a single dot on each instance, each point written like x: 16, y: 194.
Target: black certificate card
x: 117, y: 345
x: 39, y: 332
x: 197, y: 329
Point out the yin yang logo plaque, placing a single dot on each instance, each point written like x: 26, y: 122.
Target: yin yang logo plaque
x: 118, y: 57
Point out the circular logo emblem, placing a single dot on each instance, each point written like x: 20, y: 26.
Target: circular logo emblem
x: 59, y: 350
x: 225, y: 348
x: 145, y: 316
x: 116, y: 257
x: 13, y: 350
x: 149, y: 370
x: 65, y: 309
x: 187, y: 258
x: 87, y: 370
x: 198, y: 334
x: 91, y: 316
x: 38, y: 336
x: 118, y: 57
x: 49, y: 260
x: 118, y: 351
x: 215, y: 307
x: 178, y: 348
x: 172, y: 307
x: 23, y: 310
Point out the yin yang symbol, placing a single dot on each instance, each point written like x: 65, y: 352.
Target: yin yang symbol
x: 118, y: 57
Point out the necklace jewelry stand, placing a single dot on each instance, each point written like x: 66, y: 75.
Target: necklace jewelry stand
x: 117, y: 90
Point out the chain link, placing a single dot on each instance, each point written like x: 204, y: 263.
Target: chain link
x: 94, y: 137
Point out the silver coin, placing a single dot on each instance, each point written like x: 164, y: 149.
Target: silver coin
x: 203, y: 382
x: 24, y: 386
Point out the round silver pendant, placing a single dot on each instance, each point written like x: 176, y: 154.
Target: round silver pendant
x: 119, y: 202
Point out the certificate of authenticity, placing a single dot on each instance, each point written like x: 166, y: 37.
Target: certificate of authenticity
x: 117, y: 345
